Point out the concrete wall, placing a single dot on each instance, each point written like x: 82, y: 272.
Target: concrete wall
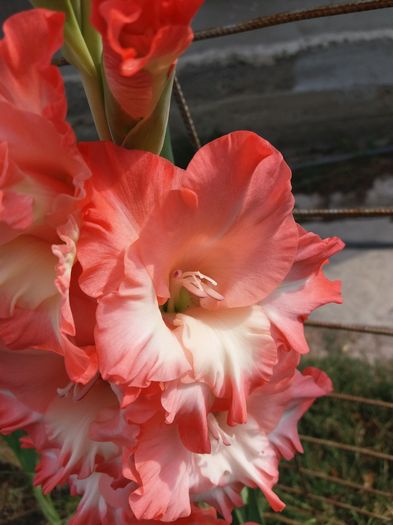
x: 315, y: 89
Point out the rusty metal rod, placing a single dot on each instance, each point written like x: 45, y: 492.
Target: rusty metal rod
x: 280, y: 518
x: 342, y: 213
x: 286, y: 18
x: 309, y: 513
x: 186, y: 114
x: 350, y: 448
x: 60, y: 62
x: 338, y: 481
x: 351, y: 327
x: 365, y: 400
x: 334, y: 502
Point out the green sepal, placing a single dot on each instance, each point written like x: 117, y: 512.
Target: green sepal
x: 149, y: 133
x: 75, y: 50
x: 146, y: 134
x: 167, y: 150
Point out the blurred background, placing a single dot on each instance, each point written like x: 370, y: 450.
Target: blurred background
x: 322, y: 92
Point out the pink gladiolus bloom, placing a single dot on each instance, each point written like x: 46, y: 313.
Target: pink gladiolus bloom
x: 142, y: 40
x: 42, y: 191
x: 129, y: 465
x: 151, y: 318
x: 195, y: 278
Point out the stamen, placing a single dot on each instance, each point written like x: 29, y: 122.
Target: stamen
x: 198, y: 284
x: 216, y: 432
x: 65, y: 391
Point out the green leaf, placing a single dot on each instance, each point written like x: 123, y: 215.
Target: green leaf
x: 27, y: 457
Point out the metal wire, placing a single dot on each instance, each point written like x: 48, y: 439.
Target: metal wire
x: 282, y: 519
x: 60, y: 62
x: 338, y: 481
x: 186, y: 114
x: 334, y: 502
x: 286, y: 18
x: 365, y: 400
x: 351, y: 448
x: 342, y: 213
x: 307, y: 513
x: 365, y: 329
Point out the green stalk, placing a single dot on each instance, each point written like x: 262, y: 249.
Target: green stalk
x: 27, y: 458
x: 93, y: 89
x: 46, y: 505
x: 92, y: 37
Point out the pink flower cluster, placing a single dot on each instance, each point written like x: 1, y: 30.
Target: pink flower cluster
x: 151, y: 319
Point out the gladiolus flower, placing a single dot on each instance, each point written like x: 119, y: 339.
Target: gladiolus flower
x: 42, y: 191
x: 151, y: 318
x: 193, y: 278
x: 141, y: 43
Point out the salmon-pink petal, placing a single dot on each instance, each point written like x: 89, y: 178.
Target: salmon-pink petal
x: 200, y: 516
x: 223, y: 498
x: 312, y: 253
x: 230, y: 463
x: 70, y: 447
x: 125, y: 189
x: 232, y: 351
x: 306, y: 388
x: 188, y: 403
x: 134, y: 344
x: 304, y: 289
x: 141, y: 42
x: 163, y: 468
x: 28, y: 80
x: 292, y: 303
x: 28, y: 383
x: 34, y: 308
x: 232, y: 221
x: 16, y: 210
x: 100, y: 502
x: 48, y: 170
x: 18, y: 287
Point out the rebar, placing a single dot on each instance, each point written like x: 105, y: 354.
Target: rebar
x: 186, y: 114
x: 282, y: 519
x: 351, y: 327
x: 366, y: 400
x: 288, y: 17
x: 334, y: 502
x: 344, y: 446
x: 338, y: 481
x: 333, y: 213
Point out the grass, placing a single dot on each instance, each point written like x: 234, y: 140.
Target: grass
x: 343, y: 421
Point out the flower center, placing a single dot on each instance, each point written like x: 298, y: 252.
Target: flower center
x: 196, y: 283
x: 77, y: 391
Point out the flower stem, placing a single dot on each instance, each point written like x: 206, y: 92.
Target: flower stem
x: 46, y: 505
x: 94, y: 93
